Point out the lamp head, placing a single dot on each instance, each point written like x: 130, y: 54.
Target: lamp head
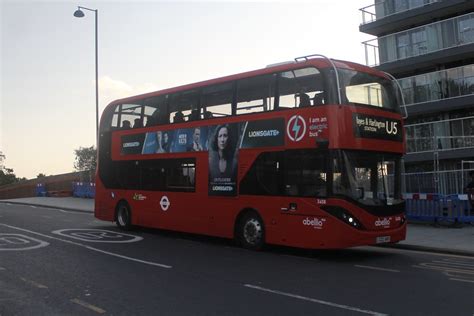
x: 78, y: 13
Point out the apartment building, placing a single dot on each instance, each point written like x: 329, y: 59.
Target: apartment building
x: 428, y: 45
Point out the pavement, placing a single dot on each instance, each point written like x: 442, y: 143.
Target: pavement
x: 457, y: 240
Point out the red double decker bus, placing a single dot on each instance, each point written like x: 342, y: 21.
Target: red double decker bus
x: 305, y: 154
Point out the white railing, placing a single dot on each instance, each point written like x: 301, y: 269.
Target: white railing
x: 442, y: 182
x: 421, y: 40
x: 428, y: 137
x: 385, y: 8
x: 438, y: 85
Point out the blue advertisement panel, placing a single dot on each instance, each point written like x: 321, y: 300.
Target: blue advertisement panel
x: 222, y: 142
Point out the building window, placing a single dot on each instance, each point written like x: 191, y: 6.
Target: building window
x: 466, y: 29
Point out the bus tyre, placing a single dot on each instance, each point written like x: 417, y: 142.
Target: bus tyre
x: 123, y: 216
x: 251, y: 233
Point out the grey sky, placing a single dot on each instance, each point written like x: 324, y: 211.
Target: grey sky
x: 47, y: 91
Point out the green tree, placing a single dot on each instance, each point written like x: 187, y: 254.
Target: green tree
x: 86, y: 159
x: 7, y: 175
x: 2, y: 158
x: 41, y: 175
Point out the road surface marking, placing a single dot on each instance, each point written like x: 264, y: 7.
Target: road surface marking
x: 35, y: 284
x: 89, y: 306
x: 462, y: 280
x: 313, y: 300
x: 91, y: 248
x: 444, y: 268
x: 18, y: 242
x: 2, y: 268
x: 97, y: 235
x: 391, y: 250
x: 376, y: 268
x: 32, y: 206
x: 71, y: 212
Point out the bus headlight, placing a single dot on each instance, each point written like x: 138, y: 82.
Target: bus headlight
x: 344, y: 215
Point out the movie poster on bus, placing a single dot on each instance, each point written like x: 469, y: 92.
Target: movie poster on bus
x: 132, y: 144
x: 223, y: 151
x: 190, y: 139
x: 158, y: 142
x: 263, y: 133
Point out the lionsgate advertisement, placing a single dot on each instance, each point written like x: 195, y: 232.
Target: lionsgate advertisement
x: 222, y: 142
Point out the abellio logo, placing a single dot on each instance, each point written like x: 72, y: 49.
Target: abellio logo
x: 296, y: 128
x: 315, y: 222
x: 382, y: 222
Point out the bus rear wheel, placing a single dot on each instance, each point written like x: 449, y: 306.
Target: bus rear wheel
x: 251, y: 233
x: 123, y: 216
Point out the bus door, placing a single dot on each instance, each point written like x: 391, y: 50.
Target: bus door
x: 304, y: 184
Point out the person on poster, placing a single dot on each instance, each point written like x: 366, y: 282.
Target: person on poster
x: 222, y: 163
x: 166, y: 142
x: 195, y: 145
x: 159, y: 142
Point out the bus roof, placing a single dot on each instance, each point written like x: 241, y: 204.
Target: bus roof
x: 279, y: 67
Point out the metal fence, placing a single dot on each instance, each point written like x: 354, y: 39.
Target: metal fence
x: 443, y: 182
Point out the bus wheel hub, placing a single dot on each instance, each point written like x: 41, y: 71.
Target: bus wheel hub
x: 252, y: 231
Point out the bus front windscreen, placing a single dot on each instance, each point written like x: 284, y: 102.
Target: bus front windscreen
x: 366, y: 89
x: 372, y: 179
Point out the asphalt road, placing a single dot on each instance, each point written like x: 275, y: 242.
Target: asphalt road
x: 55, y: 262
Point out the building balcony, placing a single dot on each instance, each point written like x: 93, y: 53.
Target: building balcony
x: 443, y: 90
x: 429, y: 43
x: 448, y: 138
x: 389, y: 16
x: 384, y: 8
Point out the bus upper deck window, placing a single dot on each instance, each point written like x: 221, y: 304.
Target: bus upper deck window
x: 300, y: 88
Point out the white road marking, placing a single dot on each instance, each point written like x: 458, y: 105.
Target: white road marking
x: 88, y: 306
x: 461, y: 264
x: 70, y: 212
x: 462, y: 280
x: 443, y: 268
x: 18, y: 242
x: 91, y: 248
x: 313, y: 300
x: 391, y: 250
x: 97, y: 235
x: 376, y: 268
x: 32, y: 206
x: 2, y: 269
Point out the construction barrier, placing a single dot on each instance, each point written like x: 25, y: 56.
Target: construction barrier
x: 83, y: 189
x: 40, y: 189
x: 431, y: 207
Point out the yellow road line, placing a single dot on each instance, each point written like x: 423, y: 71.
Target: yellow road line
x: 89, y: 306
x: 35, y: 284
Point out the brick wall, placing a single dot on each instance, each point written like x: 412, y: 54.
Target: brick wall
x: 61, y: 182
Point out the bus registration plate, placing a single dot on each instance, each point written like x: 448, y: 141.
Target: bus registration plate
x: 382, y: 239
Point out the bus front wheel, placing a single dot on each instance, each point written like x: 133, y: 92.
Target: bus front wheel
x: 251, y: 233
x: 123, y: 216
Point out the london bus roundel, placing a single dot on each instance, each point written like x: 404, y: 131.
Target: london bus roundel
x: 296, y: 128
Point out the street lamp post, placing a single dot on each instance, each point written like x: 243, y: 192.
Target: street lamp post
x: 79, y: 14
